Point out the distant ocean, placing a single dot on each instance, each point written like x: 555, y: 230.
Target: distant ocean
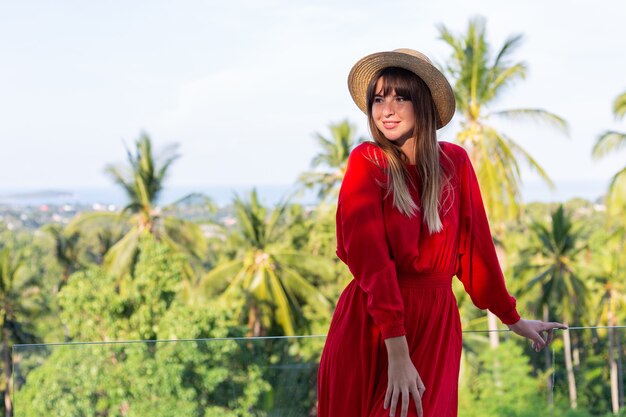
x: 269, y: 194
x: 88, y: 196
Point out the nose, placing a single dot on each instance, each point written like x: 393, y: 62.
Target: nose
x: 388, y: 109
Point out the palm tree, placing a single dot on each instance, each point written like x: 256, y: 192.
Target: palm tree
x: 479, y: 78
x: 334, y: 157
x: 608, y: 142
x: 610, y: 298
x: 66, y: 251
x: 20, y: 300
x: 552, y: 258
x: 265, y: 271
x: 142, y: 180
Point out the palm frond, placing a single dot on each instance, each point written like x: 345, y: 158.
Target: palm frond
x: 284, y: 307
x: 511, y: 43
x: 608, y: 142
x: 532, y: 163
x: 219, y: 277
x: 619, y: 106
x: 617, y: 192
x: 536, y: 115
x: 120, y: 259
x: 93, y: 219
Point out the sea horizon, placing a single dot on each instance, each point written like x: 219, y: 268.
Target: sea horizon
x: 221, y: 195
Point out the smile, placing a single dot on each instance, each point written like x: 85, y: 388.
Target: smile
x: 390, y: 125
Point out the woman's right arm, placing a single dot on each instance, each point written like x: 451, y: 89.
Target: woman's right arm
x: 362, y: 241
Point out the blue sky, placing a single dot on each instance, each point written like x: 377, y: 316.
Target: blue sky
x: 243, y: 85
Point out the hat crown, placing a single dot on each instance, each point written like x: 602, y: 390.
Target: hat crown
x: 413, y: 53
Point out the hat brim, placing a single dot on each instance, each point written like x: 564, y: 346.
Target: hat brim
x: 366, y: 68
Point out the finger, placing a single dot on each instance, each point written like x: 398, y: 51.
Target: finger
x: 405, y: 402
x: 556, y: 325
x: 394, y: 402
x: 418, y: 405
x: 387, y: 396
x: 417, y: 396
x: 550, y: 337
x: 538, y: 342
x: 420, y: 386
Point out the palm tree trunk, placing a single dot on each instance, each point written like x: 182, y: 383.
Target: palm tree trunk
x: 613, y: 368
x: 548, y: 361
x: 570, y: 369
x: 576, y: 351
x: 615, y: 403
x: 492, y: 321
x: 620, y: 369
x: 494, y: 342
x: 254, y: 321
x: 8, y: 368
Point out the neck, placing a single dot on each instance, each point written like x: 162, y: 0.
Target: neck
x: 407, y: 146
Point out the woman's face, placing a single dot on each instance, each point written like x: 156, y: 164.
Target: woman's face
x: 393, y: 114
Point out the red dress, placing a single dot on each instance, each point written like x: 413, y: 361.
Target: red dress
x: 402, y: 286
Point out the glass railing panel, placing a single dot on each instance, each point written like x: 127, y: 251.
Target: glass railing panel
x: 214, y: 377
x: 589, y: 370
x: 278, y: 377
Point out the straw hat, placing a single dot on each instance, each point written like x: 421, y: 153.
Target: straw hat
x: 416, y: 62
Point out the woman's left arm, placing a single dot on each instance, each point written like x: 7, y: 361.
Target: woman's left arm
x: 479, y: 269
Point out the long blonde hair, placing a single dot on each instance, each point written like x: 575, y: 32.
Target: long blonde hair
x: 431, y: 177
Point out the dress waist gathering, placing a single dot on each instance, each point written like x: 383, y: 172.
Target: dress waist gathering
x: 424, y: 280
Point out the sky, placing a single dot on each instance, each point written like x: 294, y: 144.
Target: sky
x: 243, y: 85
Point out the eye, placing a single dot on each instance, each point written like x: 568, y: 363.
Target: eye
x: 400, y: 99
x: 378, y: 99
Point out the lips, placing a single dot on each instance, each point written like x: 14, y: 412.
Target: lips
x: 390, y: 125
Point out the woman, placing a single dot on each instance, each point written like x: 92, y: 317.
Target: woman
x: 409, y: 218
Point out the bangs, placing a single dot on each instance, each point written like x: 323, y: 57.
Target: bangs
x: 395, y: 79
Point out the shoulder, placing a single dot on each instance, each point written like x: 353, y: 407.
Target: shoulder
x: 367, y: 155
x: 365, y: 170
x: 453, y: 151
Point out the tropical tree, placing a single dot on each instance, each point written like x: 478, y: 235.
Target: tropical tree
x: 611, y: 299
x: 142, y: 180
x: 552, y: 258
x: 333, y: 158
x: 265, y: 270
x: 608, y: 142
x: 20, y: 300
x: 479, y: 79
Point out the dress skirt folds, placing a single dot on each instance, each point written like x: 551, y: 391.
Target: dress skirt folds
x: 402, y: 286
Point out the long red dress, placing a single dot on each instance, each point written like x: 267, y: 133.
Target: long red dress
x: 402, y: 286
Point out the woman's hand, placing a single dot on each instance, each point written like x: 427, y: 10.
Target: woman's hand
x: 403, y: 379
x: 539, y: 332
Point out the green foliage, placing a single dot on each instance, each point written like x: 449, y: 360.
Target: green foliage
x: 195, y: 377
x: 553, y: 258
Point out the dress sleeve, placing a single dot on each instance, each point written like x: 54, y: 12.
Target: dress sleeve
x: 362, y: 242
x: 479, y: 268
